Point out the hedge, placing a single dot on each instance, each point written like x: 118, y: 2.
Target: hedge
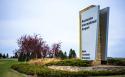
x: 71, y: 62
x: 116, y: 61
x: 43, y: 71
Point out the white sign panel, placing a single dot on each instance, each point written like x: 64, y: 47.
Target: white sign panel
x: 89, y: 32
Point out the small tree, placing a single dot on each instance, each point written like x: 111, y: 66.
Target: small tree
x: 55, y: 49
x: 60, y: 54
x: 16, y: 54
x: 4, y: 56
x: 45, y: 51
x: 0, y: 55
x: 65, y: 54
x: 7, y: 55
x: 72, y: 53
x: 22, y: 57
x: 31, y: 46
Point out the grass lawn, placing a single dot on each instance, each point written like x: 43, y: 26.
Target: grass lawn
x: 6, y: 71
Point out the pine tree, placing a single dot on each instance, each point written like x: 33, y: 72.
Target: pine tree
x: 7, y: 56
x: 61, y: 55
x: 4, y: 56
x: 65, y: 54
x: 72, y: 53
x: 0, y: 55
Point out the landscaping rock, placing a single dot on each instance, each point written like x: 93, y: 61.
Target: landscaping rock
x: 97, y: 68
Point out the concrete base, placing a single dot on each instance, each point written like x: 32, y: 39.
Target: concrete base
x: 98, y: 62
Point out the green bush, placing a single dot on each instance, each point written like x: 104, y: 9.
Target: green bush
x: 43, y: 71
x: 71, y: 62
x: 116, y: 61
x: 24, y: 68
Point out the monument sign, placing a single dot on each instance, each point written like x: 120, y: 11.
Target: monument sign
x: 94, y: 33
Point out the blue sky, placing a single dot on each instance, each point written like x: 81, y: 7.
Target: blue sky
x: 57, y: 21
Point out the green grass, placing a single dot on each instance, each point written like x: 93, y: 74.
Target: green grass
x: 6, y: 71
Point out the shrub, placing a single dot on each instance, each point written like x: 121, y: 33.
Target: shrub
x: 44, y: 61
x: 43, y: 71
x: 116, y: 61
x: 24, y: 68
x: 71, y: 62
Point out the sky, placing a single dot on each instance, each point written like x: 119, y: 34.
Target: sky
x: 57, y: 21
